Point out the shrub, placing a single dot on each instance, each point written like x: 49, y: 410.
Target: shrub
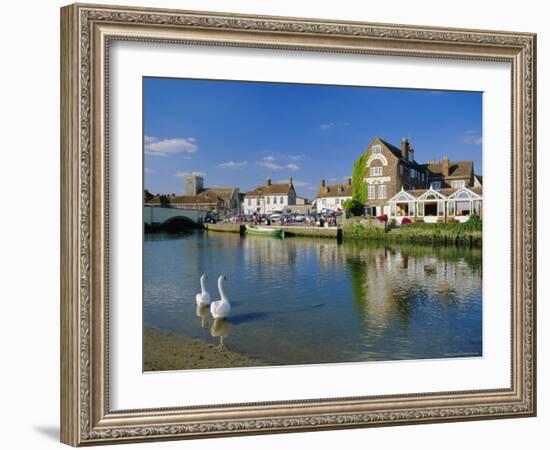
x: 353, y: 207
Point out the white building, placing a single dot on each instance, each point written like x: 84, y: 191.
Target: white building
x: 269, y: 198
x: 333, y: 196
x: 437, y: 205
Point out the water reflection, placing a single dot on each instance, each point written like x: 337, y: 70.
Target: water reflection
x: 203, y: 312
x: 220, y: 328
x: 312, y: 300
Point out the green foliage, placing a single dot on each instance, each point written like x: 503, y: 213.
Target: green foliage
x: 359, y: 231
x: 358, y: 185
x: 354, y: 207
x: 454, y: 234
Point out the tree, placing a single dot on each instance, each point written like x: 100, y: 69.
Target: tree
x: 354, y: 207
x: 358, y: 185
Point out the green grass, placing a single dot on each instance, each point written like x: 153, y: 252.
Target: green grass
x: 465, y: 234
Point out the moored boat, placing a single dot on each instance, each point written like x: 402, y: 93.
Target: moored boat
x: 265, y: 231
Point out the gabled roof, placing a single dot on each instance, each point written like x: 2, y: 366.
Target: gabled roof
x: 272, y: 189
x: 456, y: 168
x: 335, y: 190
x: 397, y: 153
x: 476, y: 191
x: 224, y: 193
x: 405, y: 195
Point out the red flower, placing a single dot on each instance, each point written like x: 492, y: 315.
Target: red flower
x: 383, y: 218
x: 405, y: 221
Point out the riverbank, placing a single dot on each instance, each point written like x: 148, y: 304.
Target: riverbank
x: 467, y: 234
x: 167, y: 351
x: 297, y: 230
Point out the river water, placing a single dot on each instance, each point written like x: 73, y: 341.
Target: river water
x: 308, y: 301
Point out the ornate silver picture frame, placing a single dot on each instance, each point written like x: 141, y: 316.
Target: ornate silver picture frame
x: 87, y: 32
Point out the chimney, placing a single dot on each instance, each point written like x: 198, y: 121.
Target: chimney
x: 445, y: 166
x: 290, y: 180
x: 268, y: 181
x: 323, y: 183
x: 405, y: 148
x: 411, y: 151
x: 349, y: 181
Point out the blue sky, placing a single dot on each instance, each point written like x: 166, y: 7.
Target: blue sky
x: 240, y: 133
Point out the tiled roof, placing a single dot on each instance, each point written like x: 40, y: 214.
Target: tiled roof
x: 335, y: 190
x: 224, y: 193
x: 397, y: 152
x: 272, y: 189
x: 203, y: 198
x: 456, y: 168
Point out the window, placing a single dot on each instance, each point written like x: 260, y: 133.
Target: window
x: 258, y: 201
x: 436, y: 184
x: 268, y: 200
x: 457, y: 184
x: 376, y: 149
x: 400, y: 169
x: 249, y: 202
x: 371, y: 192
x: 275, y: 200
x: 282, y: 200
x: 413, y: 173
x: 375, y: 171
x: 382, y: 191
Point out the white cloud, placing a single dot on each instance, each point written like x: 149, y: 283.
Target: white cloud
x: 232, y: 164
x: 269, y: 165
x: 154, y: 146
x: 273, y: 166
x: 295, y: 157
x: 148, y: 171
x: 184, y: 174
x: 472, y: 138
x: 269, y: 158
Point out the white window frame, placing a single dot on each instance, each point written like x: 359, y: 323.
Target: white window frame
x: 457, y: 184
x: 371, y: 192
x: 382, y: 191
x: 436, y: 185
x: 376, y: 171
x: 376, y: 149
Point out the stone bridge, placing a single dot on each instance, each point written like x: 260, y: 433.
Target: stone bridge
x: 160, y: 217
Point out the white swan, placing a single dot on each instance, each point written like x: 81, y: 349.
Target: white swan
x: 203, y: 299
x: 221, y: 308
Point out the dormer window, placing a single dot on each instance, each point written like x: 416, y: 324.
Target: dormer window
x: 376, y: 149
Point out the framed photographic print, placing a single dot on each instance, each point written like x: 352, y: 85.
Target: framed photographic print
x: 276, y: 224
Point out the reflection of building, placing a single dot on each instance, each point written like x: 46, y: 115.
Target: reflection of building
x: 399, y: 186
x: 223, y: 201
x: 333, y: 196
x: 269, y: 198
x: 386, y: 282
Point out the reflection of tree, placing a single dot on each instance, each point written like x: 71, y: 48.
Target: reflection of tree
x: 358, y: 271
x: 392, y: 281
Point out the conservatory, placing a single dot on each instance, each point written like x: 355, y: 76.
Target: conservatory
x: 434, y: 206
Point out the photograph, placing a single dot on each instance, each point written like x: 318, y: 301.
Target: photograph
x: 298, y: 224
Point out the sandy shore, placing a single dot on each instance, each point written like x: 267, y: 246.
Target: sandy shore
x: 167, y: 351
